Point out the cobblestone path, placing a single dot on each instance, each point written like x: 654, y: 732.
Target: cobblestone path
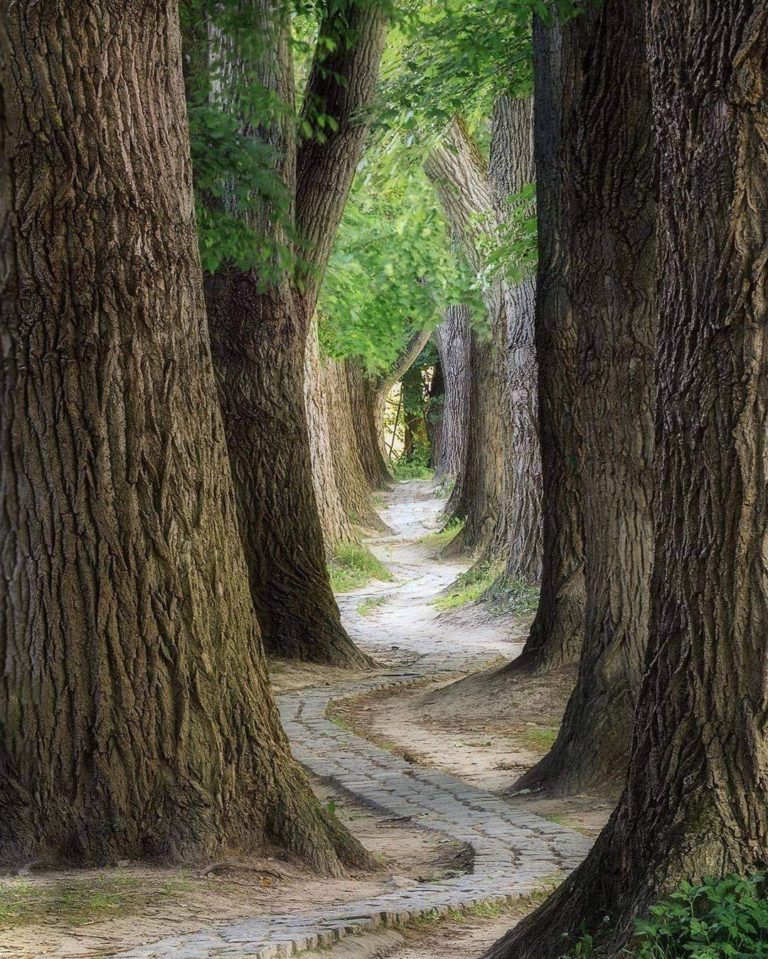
x: 512, y: 852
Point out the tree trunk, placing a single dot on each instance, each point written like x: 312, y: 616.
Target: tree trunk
x: 510, y: 170
x: 457, y: 170
x: 320, y: 385
x: 453, y: 346
x: 434, y: 414
x: 611, y: 197
x: 556, y: 635
x: 694, y: 805
x: 478, y: 496
x: 259, y: 342
x: 363, y: 396
x: 135, y: 714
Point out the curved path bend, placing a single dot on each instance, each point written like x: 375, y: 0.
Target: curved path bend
x: 512, y: 852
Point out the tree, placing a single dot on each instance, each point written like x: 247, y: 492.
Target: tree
x: 694, y: 804
x: 510, y: 171
x: 610, y: 193
x: 135, y: 717
x: 259, y: 330
x: 458, y: 171
x: 452, y: 338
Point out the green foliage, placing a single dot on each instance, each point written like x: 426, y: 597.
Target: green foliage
x: 413, y: 467
x: 368, y: 605
x: 469, y: 586
x: 393, y: 270
x: 511, y: 251
x: 352, y: 566
x: 458, y: 56
x: 717, y: 919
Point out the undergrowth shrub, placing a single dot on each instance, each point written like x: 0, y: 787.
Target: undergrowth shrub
x: 352, y: 566
x: 715, y: 919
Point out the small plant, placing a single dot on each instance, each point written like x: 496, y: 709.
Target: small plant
x: 717, y: 919
x: 413, y: 467
x: 352, y: 566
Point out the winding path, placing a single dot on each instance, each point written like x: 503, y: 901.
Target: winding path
x: 512, y: 851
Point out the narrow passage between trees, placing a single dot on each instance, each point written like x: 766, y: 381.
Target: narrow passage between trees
x: 512, y: 851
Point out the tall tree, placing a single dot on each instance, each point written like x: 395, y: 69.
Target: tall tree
x: 694, y: 805
x: 510, y: 170
x: 259, y: 330
x: 452, y: 337
x: 135, y: 713
x: 459, y: 173
x: 611, y: 201
x: 556, y: 634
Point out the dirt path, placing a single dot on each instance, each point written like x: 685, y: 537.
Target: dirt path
x: 510, y: 852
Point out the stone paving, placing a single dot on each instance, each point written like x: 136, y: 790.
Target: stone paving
x: 512, y: 852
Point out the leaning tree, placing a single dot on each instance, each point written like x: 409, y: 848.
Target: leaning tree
x: 135, y: 713
x: 259, y: 322
x: 694, y: 804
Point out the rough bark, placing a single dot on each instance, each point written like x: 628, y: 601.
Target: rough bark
x: 320, y: 385
x: 556, y: 635
x: 480, y: 497
x: 511, y: 168
x: 135, y: 713
x: 611, y: 199
x: 452, y: 338
x: 694, y: 804
x: 363, y: 397
x: 383, y: 385
x: 259, y: 341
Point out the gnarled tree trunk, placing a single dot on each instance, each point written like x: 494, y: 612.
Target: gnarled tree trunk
x: 694, y: 805
x: 135, y: 713
x: 611, y: 201
x: 364, y: 405
x: 556, y: 635
x: 259, y: 341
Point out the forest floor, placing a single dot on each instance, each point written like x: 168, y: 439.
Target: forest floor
x: 439, y: 703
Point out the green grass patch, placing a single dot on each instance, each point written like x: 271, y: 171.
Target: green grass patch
x: 352, y: 566
x: 411, y: 470
x: 73, y: 903
x: 368, y: 605
x: 469, y: 587
x: 540, y: 739
x: 442, y: 537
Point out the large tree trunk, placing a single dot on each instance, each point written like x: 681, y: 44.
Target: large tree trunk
x: 363, y: 395
x: 480, y: 497
x: 320, y: 387
x: 135, y: 713
x: 452, y: 338
x: 510, y: 170
x: 694, y: 805
x: 259, y: 341
x: 611, y: 199
x: 556, y: 635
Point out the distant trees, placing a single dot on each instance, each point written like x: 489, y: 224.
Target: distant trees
x: 135, y: 713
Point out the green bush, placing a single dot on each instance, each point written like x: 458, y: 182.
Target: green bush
x: 719, y: 919
x: 716, y: 919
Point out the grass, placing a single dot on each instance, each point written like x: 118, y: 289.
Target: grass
x: 539, y: 739
x: 368, y: 605
x: 469, y: 587
x: 488, y: 583
x: 352, y: 566
x: 74, y: 903
x: 411, y: 470
x: 442, y: 537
